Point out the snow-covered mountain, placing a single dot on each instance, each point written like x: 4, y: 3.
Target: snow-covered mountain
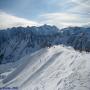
x: 54, y: 68
x: 15, y: 43
x: 45, y: 58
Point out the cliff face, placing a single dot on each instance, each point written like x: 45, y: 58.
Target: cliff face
x: 15, y: 43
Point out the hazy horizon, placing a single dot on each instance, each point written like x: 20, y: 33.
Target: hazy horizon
x: 61, y: 13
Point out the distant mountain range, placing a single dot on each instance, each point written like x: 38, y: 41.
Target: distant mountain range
x: 15, y: 43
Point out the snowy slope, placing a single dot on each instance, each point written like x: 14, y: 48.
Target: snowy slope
x: 55, y: 68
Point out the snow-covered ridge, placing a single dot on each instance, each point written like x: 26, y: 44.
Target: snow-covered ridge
x: 15, y: 43
x: 55, y: 68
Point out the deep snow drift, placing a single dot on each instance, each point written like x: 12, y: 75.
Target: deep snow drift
x: 55, y: 68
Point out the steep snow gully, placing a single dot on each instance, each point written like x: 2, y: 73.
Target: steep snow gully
x: 54, y: 68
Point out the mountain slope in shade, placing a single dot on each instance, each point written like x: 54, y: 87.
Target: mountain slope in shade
x: 55, y: 68
x: 16, y: 43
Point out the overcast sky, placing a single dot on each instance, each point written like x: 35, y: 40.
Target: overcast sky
x: 61, y: 13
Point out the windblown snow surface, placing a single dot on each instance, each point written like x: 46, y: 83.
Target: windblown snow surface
x: 55, y: 68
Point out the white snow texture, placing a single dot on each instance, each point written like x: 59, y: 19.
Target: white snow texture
x: 55, y: 68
